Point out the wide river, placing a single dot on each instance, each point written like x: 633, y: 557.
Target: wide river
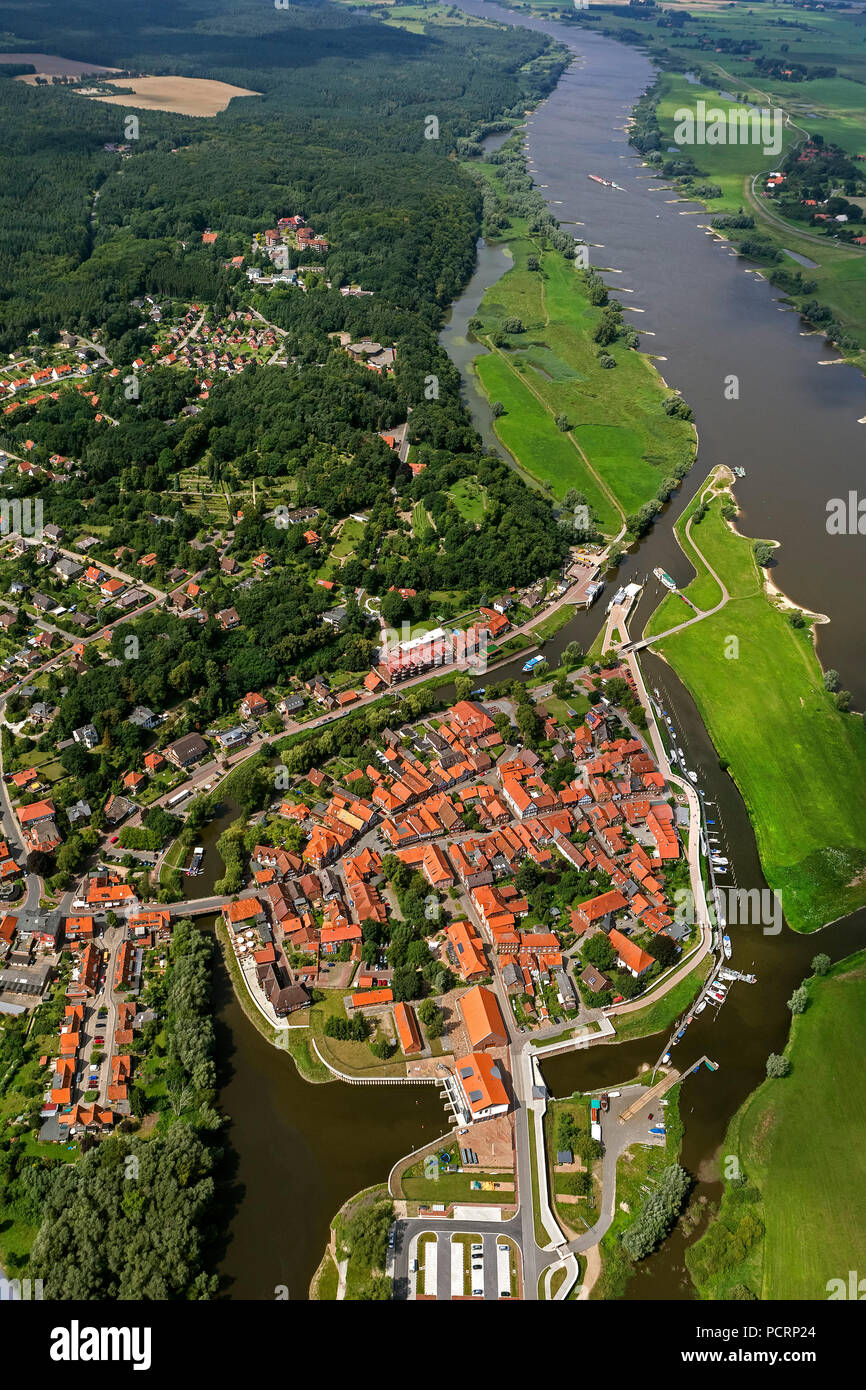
x: 302, y: 1150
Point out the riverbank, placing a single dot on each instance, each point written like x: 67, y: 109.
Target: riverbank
x: 638, y: 1168
x: 354, y: 1262
x: 780, y: 1233
x: 798, y: 760
x: 714, y: 60
x: 575, y: 404
x: 834, y: 273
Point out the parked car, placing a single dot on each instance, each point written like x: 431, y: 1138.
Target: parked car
x: 114, y: 839
x: 99, y: 1042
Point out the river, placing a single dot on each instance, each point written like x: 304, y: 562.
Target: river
x: 301, y: 1150
x: 795, y: 425
x: 795, y: 431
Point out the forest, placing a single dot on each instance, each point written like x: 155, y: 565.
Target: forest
x: 338, y: 133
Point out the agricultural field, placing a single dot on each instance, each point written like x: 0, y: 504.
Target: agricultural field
x: 188, y: 96
x: 779, y: 730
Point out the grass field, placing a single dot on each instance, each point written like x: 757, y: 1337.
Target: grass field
x: 798, y: 1142
x: 422, y: 527
x: 770, y: 717
x: 621, y: 445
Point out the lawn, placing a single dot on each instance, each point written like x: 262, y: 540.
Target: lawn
x: 555, y: 621
x: 470, y: 499
x: 455, y: 1187
x: 770, y: 717
x: 798, y: 1140
x: 350, y: 1057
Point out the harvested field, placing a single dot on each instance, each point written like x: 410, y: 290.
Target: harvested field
x: 186, y: 96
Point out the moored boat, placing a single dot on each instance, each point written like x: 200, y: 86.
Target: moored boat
x: 665, y: 579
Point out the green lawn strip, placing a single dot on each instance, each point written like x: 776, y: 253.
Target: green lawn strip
x: 456, y: 1187
x: 541, y: 1237
x: 425, y: 1241
x: 325, y: 1281
x: 173, y: 859
x: 557, y: 1279
x: 555, y: 621
x: 664, y: 1011
x: 797, y: 1140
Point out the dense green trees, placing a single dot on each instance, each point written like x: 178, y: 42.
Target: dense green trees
x: 336, y: 132
x: 658, y: 1214
x: 128, y: 1221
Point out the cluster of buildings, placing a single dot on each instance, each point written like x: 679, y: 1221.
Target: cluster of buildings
x: 611, y: 819
x: 208, y: 348
x: 400, y: 661
x: 76, y: 1072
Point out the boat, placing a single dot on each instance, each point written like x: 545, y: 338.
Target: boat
x: 749, y: 979
x: 740, y: 472
x: 197, y: 857
x: 606, y: 183
x: 699, y: 1008
x: 726, y: 946
x: 694, y: 776
x: 680, y: 751
x: 666, y: 1057
x: 658, y: 1129
x: 533, y: 662
x: 479, y: 691
x: 665, y: 579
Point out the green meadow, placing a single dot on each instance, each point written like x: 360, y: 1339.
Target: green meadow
x: 798, y: 1142
x: 799, y: 762
x: 620, y: 444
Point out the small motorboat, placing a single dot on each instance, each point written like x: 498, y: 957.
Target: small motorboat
x: 726, y: 947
